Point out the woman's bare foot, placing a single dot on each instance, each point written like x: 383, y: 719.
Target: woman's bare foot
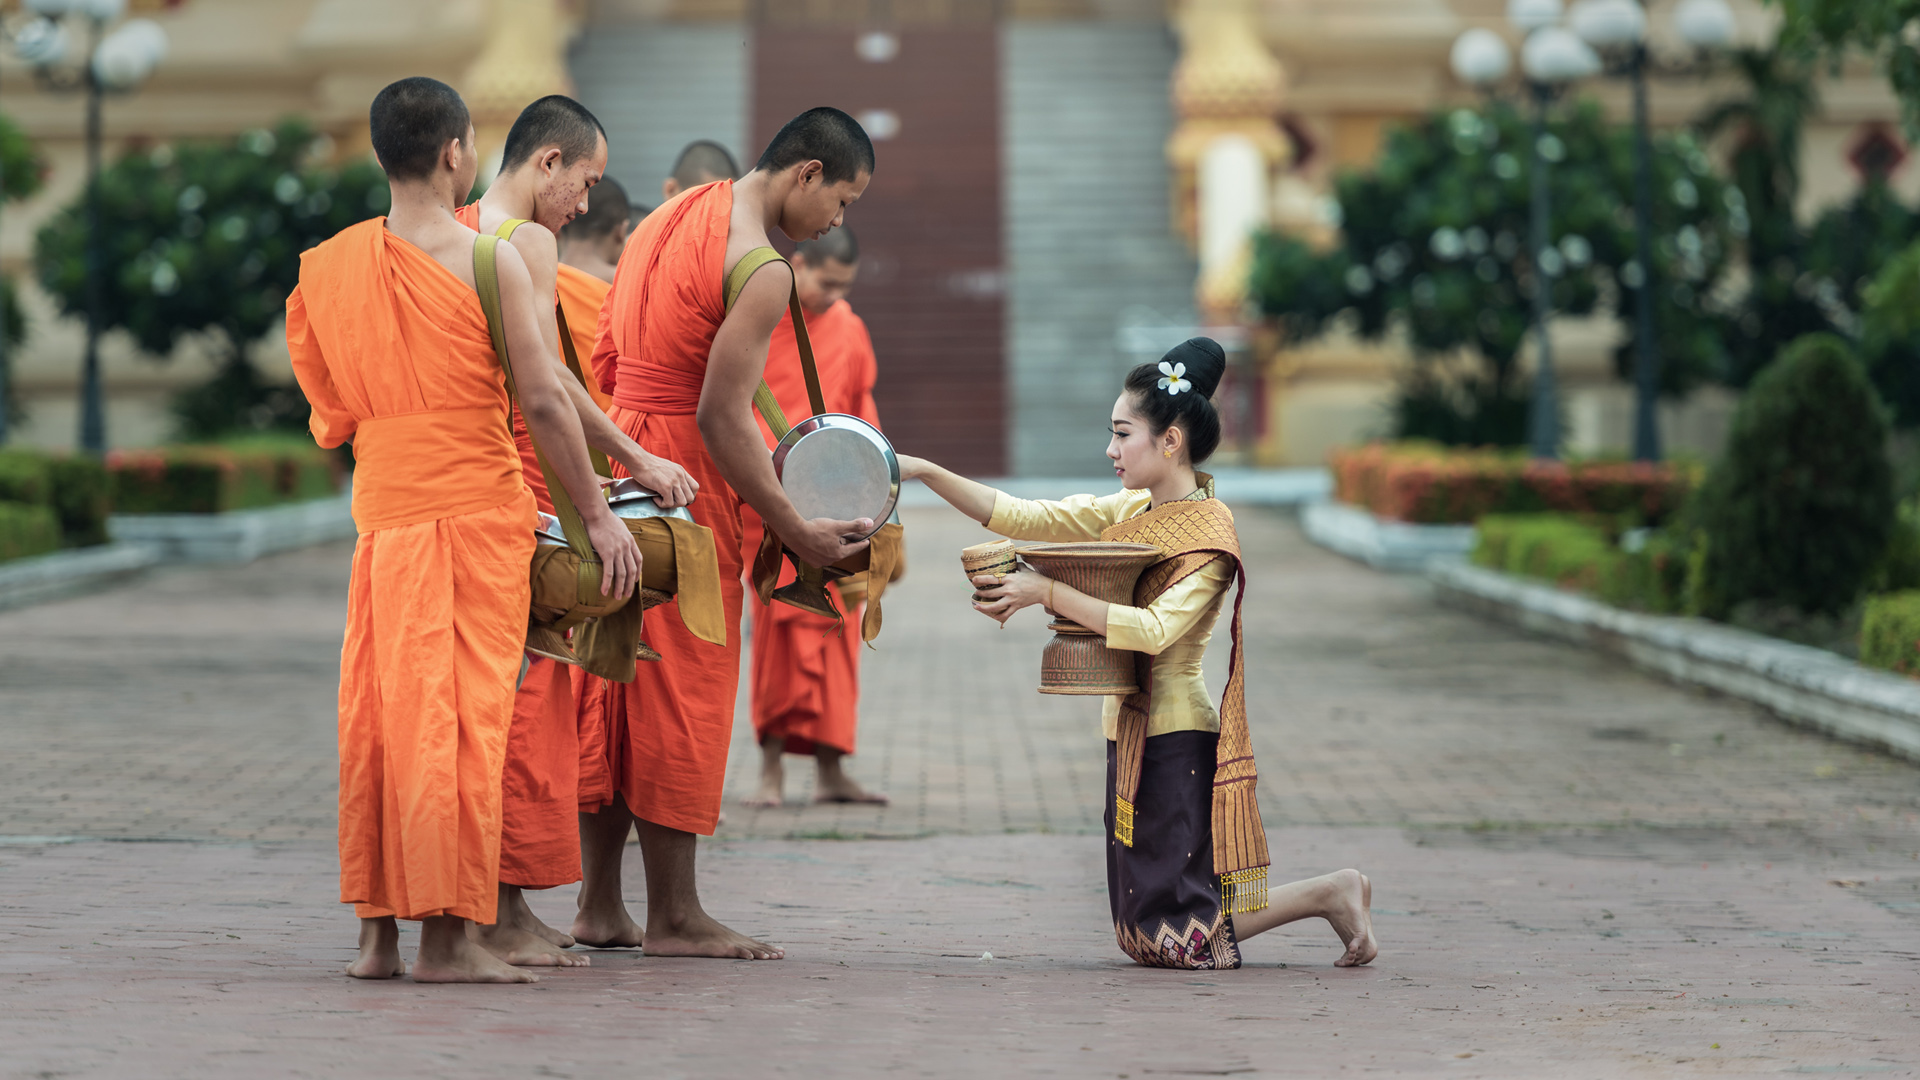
x: 702, y: 935
x: 515, y: 912
x: 379, y: 951
x: 446, y: 956
x: 521, y: 948
x: 1351, y: 915
x: 609, y: 929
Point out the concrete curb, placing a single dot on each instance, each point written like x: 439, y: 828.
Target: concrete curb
x: 1383, y: 545
x: 1803, y: 685
x: 68, y: 573
x: 239, y: 535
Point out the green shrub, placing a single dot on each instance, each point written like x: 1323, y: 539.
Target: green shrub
x: 1653, y: 578
x: 1899, y: 567
x: 27, y: 530
x: 1554, y: 547
x: 1799, y: 509
x: 23, y: 477
x: 1890, y: 632
x: 213, y: 479
x: 81, y: 497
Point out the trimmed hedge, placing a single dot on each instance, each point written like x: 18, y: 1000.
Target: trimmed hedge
x: 215, y: 479
x: 1890, y: 633
x: 74, y: 488
x: 27, y: 530
x: 1583, y: 554
x: 1426, y: 484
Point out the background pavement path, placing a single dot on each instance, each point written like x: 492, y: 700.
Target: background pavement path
x: 1579, y: 871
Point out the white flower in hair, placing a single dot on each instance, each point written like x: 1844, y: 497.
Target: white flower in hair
x: 1173, y: 378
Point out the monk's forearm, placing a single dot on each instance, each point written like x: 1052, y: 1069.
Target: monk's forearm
x: 602, y: 433
x: 738, y: 452
x: 555, y: 425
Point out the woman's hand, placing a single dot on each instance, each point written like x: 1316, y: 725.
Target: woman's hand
x: 1022, y: 588
x: 913, y: 468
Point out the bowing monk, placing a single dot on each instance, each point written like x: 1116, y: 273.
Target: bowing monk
x: 806, y: 667
x: 686, y: 366
x: 701, y: 161
x: 391, y: 346
x: 555, y: 153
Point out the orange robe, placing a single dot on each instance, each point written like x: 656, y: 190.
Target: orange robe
x: 393, y: 352
x: 539, y: 831
x: 806, y: 668
x: 666, y: 733
x: 581, y: 297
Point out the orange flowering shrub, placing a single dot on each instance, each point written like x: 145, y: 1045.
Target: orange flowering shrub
x: 1427, y: 484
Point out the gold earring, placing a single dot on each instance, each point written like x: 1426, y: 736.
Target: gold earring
x: 1166, y: 453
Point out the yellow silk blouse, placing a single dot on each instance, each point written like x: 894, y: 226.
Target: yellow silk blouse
x: 1174, y: 629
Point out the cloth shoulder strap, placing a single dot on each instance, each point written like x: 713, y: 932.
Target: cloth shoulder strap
x: 572, y: 356
x: 486, y: 278
x: 763, y: 398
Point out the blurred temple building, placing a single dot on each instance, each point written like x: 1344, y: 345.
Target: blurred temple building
x: 1065, y: 187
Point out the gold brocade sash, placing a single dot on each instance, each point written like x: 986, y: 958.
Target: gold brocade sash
x: 1193, y: 533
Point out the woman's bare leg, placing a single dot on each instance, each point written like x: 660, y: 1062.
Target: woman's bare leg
x: 1344, y: 898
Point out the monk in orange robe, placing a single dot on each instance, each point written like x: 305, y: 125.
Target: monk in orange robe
x: 589, y: 249
x: 391, y: 346
x: 554, y: 155
x: 701, y: 161
x: 685, y: 368
x: 806, y: 667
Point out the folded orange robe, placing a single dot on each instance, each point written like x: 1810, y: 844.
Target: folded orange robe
x: 581, y: 296
x: 392, y: 350
x: 806, y: 668
x: 539, y: 830
x: 666, y: 733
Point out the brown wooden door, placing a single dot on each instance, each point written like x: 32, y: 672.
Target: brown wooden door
x: 931, y: 278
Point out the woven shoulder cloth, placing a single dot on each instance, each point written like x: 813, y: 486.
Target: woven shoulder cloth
x: 885, y: 548
x: 1193, y: 533
x: 565, y: 580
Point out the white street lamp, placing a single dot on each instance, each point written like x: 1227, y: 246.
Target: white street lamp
x: 1554, y: 56
x: 1480, y: 57
x: 1608, y: 24
x: 1705, y: 24
x: 128, y: 55
x: 1530, y: 15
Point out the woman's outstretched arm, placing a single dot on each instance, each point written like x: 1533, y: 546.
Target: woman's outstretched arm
x: 970, y: 497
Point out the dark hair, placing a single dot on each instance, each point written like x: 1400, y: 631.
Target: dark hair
x: 607, y: 210
x: 839, y: 245
x: 1192, y: 410
x: 703, y: 161
x: 410, y: 121
x: 554, y: 120
x: 827, y: 135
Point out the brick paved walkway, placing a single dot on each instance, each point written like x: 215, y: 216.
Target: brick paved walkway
x: 1579, y: 871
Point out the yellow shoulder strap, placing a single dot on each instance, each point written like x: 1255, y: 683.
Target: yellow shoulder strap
x: 763, y: 398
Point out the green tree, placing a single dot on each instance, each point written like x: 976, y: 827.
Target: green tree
x: 1799, y: 509
x: 206, y: 237
x: 1435, y: 240
x: 1881, y: 28
x: 22, y: 170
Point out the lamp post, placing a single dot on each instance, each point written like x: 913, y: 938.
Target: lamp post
x: 114, y: 61
x: 1550, y: 57
x: 1618, y: 29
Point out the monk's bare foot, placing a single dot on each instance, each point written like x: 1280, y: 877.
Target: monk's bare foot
x: 611, y: 929
x: 379, y: 951
x: 447, y: 956
x: 521, y: 948
x: 773, y: 775
x: 833, y: 785
x: 701, y: 935
x: 768, y: 796
x: 1351, y: 914
x: 515, y: 912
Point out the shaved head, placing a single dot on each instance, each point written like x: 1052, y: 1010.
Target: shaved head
x: 702, y: 162
x: 838, y: 245
x: 607, y: 212
x: 827, y: 135
x: 411, y: 121
x: 555, y: 120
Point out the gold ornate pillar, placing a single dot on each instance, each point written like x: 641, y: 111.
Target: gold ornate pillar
x: 524, y: 59
x: 1227, y: 92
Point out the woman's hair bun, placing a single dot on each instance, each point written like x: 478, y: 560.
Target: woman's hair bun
x: 1206, y: 362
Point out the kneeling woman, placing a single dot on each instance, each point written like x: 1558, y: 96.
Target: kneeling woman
x: 1186, y: 853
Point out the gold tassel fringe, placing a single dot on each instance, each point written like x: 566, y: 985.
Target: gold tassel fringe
x: 1123, y: 821
x: 1244, y: 891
